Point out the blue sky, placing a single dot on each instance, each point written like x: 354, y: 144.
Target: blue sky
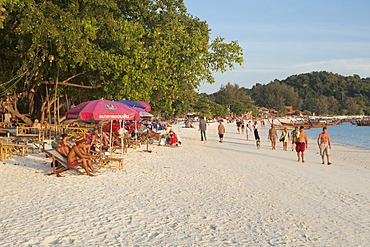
x: 286, y: 37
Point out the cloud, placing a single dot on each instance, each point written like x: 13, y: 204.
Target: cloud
x: 359, y: 66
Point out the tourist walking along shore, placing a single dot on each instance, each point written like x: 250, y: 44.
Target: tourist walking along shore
x: 301, y: 144
x: 221, y: 131
x: 203, y: 128
x: 272, y: 136
x: 323, y: 141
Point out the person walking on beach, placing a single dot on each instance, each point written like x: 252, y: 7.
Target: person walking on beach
x: 301, y: 144
x: 285, y: 138
x: 248, y: 130
x: 238, y: 124
x: 272, y: 136
x: 294, y: 135
x: 203, y: 128
x: 221, y: 131
x: 323, y: 141
x: 256, y: 134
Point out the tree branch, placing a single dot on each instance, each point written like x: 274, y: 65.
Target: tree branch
x: 65, y: 83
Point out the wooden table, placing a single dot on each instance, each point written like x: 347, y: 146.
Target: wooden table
x: 20, y: 149
x: 103, y: 162
x: 6, y: 152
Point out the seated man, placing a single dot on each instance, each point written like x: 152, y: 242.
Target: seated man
x: 77, y: 157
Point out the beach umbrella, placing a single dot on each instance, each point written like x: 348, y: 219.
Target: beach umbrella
x: 132, y: 104
x: 145, y: 114
x: 102, y: 110
x: 148, y: 108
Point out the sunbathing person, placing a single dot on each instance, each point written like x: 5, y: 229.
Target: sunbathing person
x: 64, y: 146
x: 77, y: 157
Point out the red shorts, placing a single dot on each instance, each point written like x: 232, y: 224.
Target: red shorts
x: 300, y: 147
x: 75, y: 162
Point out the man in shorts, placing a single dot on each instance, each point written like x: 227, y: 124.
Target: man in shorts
x: 323, y: 141
x: 272, y: 136
x: 76, y: 156
x: 221, y: 131
x: 301, y: 144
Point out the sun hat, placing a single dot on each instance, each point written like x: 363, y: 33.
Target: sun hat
x: 80, y: 139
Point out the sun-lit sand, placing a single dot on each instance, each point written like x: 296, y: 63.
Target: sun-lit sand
x: 203, y: 194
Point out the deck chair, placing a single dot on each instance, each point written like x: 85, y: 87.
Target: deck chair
x: 56, y: 156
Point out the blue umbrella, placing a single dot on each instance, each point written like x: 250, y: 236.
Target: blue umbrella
x: 131, y: 103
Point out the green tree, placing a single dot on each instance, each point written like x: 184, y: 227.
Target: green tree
x: 139, y: 50
x: 206, y: 106
x: 276, y: 95
x: 235, y: 98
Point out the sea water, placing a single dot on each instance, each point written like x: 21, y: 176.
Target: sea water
x: 346, y: 133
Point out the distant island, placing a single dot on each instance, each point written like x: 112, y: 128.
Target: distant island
x: 320, y: 93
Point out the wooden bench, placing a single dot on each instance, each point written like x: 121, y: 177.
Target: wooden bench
x: 62, y: 161
x: 103, y: 162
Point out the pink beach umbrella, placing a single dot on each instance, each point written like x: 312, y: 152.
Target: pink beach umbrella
x: 102, y: 110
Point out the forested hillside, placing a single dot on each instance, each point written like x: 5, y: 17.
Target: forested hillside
x: 322, y: 93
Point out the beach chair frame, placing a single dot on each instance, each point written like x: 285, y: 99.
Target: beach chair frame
x: 56, y: 156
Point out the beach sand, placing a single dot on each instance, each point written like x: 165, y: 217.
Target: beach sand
x: 203, y: 194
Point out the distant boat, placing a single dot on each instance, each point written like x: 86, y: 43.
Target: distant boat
x: 323, y: 122
x: 295, y: 123
x: 318, y: 123
x: 365, y: 122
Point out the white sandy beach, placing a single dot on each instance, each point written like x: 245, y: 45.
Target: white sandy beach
x: 199, y: 194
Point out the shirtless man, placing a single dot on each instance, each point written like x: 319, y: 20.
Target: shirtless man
x: 272, y: 136
x: 323, y: 141
x: 301, y: 143
x: 64, y: 146
x: 77, y: 157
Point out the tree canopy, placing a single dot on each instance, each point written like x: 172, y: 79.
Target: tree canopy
x: 139, y: 50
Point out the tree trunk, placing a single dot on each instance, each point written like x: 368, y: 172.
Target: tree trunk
x: 12, y: 109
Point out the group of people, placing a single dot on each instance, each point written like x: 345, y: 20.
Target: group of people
x: 298, y: 138
x: 300, y: 142
x: 171, y: 139
x: 77, y: 154
x: 249, y: 128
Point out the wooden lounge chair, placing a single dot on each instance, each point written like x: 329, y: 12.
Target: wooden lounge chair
x: 56, y: 156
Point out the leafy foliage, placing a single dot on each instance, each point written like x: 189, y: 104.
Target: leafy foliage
x: 139, y: 50
x: 234, y: 98
x: 329, y: 93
